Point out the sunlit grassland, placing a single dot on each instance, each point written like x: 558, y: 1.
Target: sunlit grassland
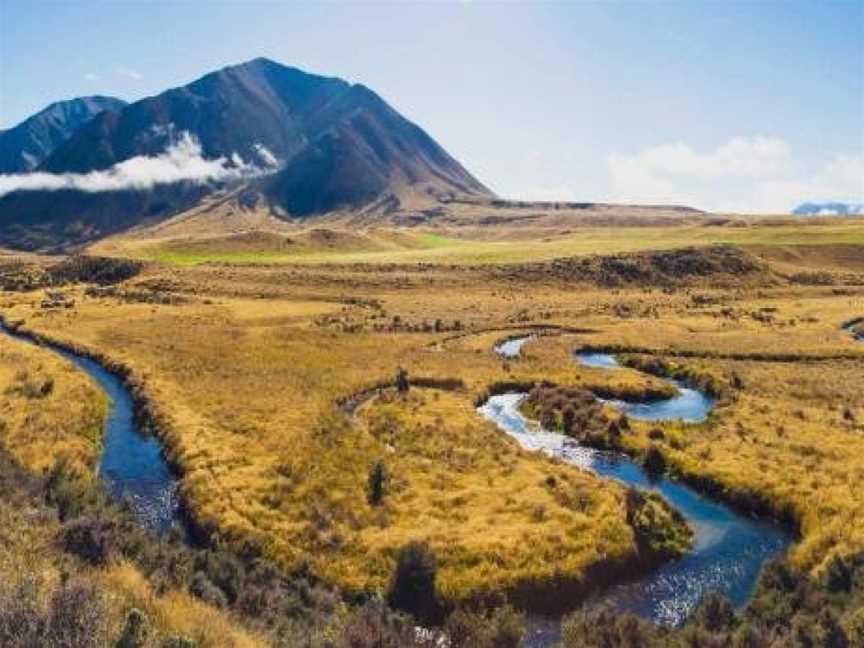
x: 793, y: 434
x: 497, y: 517
x: 250, y: 418
x: 246, y: 375
x: 47, y: 408
x: 543, y: 244
x: 37, y: 430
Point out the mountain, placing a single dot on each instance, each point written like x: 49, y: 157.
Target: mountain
x: 339, y: 147
x: 25, y: 146
x: 829, y: 209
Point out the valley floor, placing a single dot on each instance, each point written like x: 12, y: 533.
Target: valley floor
x: 253, y: 372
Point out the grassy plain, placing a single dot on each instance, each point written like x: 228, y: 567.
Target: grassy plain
x: 452, y: 245
x: 247, y: 366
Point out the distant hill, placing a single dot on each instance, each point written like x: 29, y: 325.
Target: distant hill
x: 829, y: 209
x: 25, y: 146
x: 339, y: 147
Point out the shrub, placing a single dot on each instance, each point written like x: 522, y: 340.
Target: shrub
x: 87, y: 269
x: 77, y: 617
x: 224, y: 570
x: 714, y: 613
x: 402, y: 384
x: 136, y: 630
x: 377, y: 483
x: 91, y: 539
x: 656, y: 434
x: 179, y: 641
x: 568, y: 416
x: 46, y: 388
x: 413, y: 587
x: 654, y: 462
x: 605, y: 628
x: 822, y: 631
x: 68, y: 489
x: 375, y: 626
x: 503, y: 628
x: 203, y: 588
x: 22, y: 622
x: 634, y: 500
x: 855, y: 628
x: 838, y: 576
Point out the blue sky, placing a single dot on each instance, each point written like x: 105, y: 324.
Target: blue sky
x: 721, y: 105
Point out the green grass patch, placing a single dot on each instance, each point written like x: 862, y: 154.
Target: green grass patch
x: 438, y: 248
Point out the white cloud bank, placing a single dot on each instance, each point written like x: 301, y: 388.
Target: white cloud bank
x: 746, y: 175
x: 182, y: 161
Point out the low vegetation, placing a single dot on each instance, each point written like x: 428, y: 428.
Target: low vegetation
x: 306, y: 507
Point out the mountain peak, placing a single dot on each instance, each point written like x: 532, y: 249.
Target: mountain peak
x: 340, y: 146
x: 263, y: 62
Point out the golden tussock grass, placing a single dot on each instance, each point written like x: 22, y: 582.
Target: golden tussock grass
x: 48, y: 408
x: 173, y: 613
x: 246, y: 375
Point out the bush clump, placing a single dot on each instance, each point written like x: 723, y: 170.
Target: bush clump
x: 377, y: 483
x: 402, y: 384
x: 69, y: 489
x: 91, y: 538
x: 413, y: 589
x: 74, y: 615
x: 654, y: 462
x: 503, y: 627
x: 573, y: 411
x: 93, y: 269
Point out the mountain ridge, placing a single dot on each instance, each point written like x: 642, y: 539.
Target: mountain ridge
x: 340, y: 146
x: 26, y: 145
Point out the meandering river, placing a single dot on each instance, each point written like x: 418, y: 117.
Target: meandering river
x: 729, y: 548
x: 131, y: 465
x: 689, y: 405
x: 728, y: 552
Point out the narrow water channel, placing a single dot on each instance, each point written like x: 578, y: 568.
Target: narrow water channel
x: 512, y: 348
x: 729, y: 548
x: 131, y: 466
x: 689, y: 405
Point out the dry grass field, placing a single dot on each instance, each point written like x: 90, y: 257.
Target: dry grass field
x: 250, y: 366
x: 39, y: 426
x: 38, y: 391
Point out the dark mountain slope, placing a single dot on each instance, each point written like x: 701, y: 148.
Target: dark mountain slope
x: 25, y: 146
x: 229, y: 111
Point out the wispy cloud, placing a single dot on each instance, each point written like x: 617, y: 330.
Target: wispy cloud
x: 129, y: 74
x: 746, y: 174
x: 91, y: 76
x: 182, y: 161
